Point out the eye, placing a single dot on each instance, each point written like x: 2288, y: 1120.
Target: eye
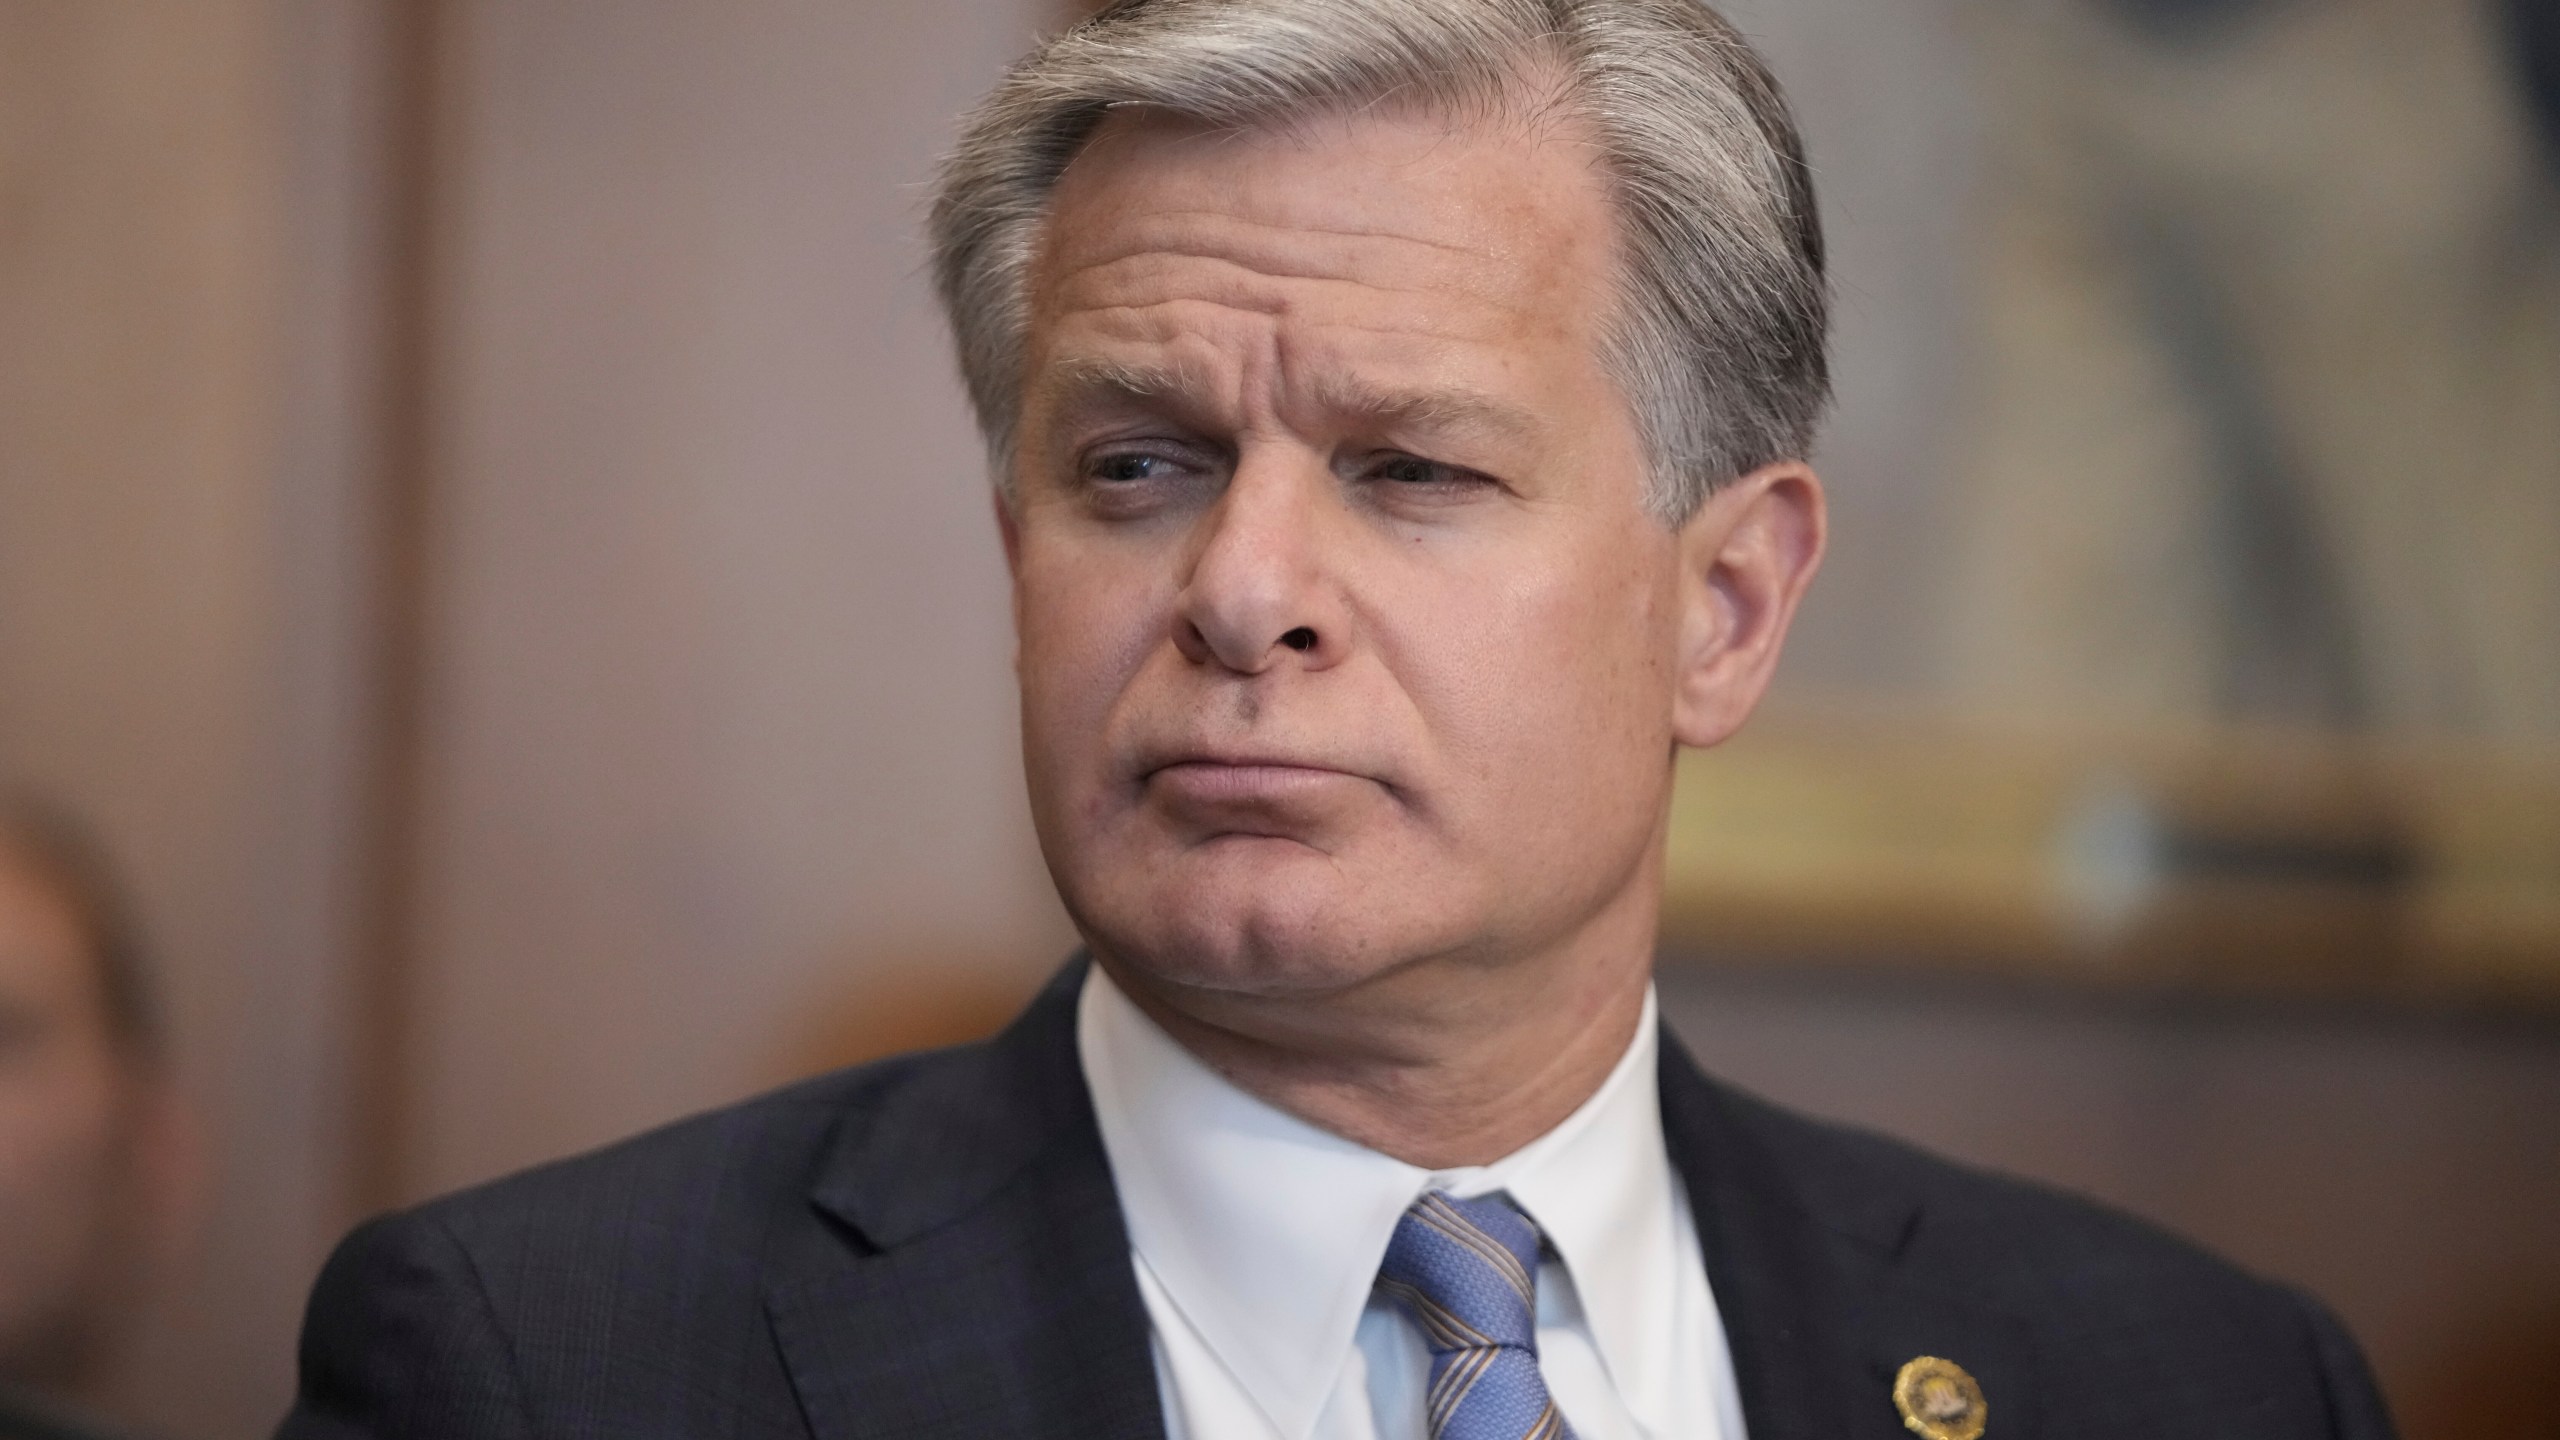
x: 1128, y: 467
x: 1412, y: 472
x: 1133, y: 477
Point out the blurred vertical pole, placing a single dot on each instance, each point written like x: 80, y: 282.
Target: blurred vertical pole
x: 416, y: 34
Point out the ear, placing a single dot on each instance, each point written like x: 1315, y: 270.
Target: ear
x: 1746, y: 557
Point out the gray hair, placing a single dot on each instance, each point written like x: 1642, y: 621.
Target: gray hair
x: 1717, y: 342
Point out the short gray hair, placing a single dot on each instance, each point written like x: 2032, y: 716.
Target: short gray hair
x: 1718, y: 340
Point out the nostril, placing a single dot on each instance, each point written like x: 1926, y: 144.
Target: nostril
x: 1301, y: 639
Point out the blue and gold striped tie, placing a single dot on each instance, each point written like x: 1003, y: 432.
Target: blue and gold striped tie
x: 1467, y: 1271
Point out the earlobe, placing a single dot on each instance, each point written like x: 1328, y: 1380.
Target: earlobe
x: 1747, y: 556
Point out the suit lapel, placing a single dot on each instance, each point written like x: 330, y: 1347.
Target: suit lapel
x: 1821, y: 1283
x: 965, y: 1271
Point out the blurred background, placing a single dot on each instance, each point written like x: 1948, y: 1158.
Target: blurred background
x: 491, y: 541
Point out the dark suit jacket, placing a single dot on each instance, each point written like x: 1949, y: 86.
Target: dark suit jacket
x: 931, y: 1246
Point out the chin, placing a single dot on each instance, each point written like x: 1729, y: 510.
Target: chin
x: 1291, y: 927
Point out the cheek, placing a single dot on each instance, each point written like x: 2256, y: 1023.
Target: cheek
x: 1087, y: 625
x: 57, y: 1133
x: 1545, y: 674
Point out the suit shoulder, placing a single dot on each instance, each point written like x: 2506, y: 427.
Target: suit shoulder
x: 634, y: 1273
x: 1983, y: 1228
x: 2097, y: 1294
x: 721, y: 1175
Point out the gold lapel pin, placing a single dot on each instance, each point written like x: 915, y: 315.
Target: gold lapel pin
x: 1939, y: 1401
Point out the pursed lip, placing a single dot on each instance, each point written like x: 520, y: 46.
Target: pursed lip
x: 1242, y: 776
x: 1248, y: 797
x: 1290, y: 796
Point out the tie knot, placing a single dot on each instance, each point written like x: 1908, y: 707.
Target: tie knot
x: 1466, y: 1270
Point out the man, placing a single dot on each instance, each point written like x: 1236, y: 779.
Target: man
x: 93, y: 1156
x: 1397, y: 413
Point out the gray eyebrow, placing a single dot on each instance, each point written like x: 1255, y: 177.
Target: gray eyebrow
x: 1092, y: 373
x: 1448, y: 407
x: 1091, y: 382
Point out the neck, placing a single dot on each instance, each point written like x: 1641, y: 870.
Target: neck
x: 1441, y: 1063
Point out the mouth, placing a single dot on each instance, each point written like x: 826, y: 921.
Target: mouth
x: 1251, y: 784
x: 1242, y: 779
x: 1209, y: 795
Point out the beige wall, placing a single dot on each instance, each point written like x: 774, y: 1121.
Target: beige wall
x: 720, y: 707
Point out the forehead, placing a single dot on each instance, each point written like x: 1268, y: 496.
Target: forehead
x: 1399, y: 233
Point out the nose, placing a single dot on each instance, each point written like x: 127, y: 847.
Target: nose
x: 1260, y: 592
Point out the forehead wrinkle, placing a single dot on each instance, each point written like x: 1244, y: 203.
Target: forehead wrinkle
x: 1226, y: 321
x: 1255, y: 281
x: 1215, y: 218
x: 1139, y: 299
x: 1277, y: 381
x: 1303, y: 242
x: 1303, y: 296
x: 1281, y: 279
x: 1151, y: 273
x: 1138, y: 247
x: 1340, y: 395
x: 1114, y: 349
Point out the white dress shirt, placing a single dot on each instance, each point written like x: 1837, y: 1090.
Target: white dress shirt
x: 1257, y: 1237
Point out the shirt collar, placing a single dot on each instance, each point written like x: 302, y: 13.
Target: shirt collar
x: 1266, y: 1232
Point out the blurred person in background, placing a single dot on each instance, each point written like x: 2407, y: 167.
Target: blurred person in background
x: 94, y: 1152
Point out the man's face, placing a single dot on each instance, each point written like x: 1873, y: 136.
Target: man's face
x: 1346, y: 640
x: 67, y: 1116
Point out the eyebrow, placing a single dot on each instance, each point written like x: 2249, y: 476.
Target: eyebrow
x: 1084, y: 384
x: 1438, y: 408
x: 1089, y: 381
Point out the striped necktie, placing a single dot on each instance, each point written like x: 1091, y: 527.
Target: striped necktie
x: 1467, y: 1272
